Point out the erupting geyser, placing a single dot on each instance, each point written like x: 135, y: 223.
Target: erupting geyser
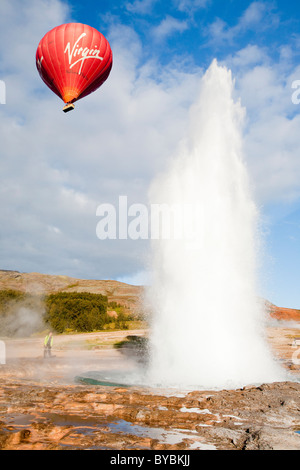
x: 208, y: 323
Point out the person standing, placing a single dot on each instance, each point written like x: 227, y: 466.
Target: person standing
x: 48, y: 343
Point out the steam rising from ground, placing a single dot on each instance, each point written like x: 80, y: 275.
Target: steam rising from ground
x: 208, y: 323
x: 23, y: 317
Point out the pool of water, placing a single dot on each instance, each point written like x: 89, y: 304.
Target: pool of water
x: 89, y: 425
x: 110, y: 378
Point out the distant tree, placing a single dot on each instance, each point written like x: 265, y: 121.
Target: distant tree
x: 77, y: 311
x: 22, y: 314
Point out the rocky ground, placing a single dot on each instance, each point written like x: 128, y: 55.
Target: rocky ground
x: 41, y: 406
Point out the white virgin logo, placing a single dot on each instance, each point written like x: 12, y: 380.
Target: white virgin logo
x: 85, y: 53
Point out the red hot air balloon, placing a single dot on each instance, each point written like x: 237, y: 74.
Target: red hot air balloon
x: 73, y: 60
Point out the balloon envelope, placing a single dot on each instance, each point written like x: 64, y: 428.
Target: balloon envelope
x: 73, y: 60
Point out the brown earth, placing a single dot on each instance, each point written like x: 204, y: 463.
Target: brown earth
x: 36, y: 283
x: 124, y: 294
x: 42, y: 408
x: 287, y: 314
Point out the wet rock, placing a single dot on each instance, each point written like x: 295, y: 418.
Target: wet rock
x: 271, y: 439
x: 255, y: 418
x: 40, y: 410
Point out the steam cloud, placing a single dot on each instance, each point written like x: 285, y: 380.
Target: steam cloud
x: 208, y: 324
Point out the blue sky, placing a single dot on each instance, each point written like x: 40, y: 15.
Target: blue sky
x: 56, y: 171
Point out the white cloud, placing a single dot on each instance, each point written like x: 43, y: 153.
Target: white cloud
x: 22, y: 25
x: 257, y: 15
x: 141, y: 7
x: 189, y: 6
x: 271, y: 138
x: 249, y: 56
x: 141, y: 278
x: 253, y: 14
x: 169, y: 26
x: 145, y: 7
x: 57, y: 168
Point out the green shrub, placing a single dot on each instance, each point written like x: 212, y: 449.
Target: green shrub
x: 23, y: 314
x: 76, y: 311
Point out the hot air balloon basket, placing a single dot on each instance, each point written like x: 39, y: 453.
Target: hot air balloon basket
x: 68, y: 107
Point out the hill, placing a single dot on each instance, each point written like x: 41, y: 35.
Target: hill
x: 35, y: 283
x: 281, y: 313
x: 126, y: 295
